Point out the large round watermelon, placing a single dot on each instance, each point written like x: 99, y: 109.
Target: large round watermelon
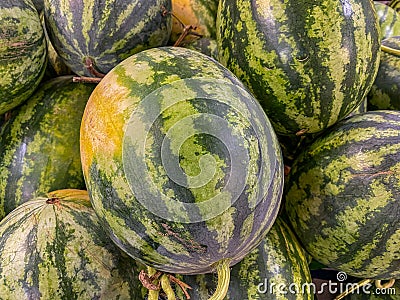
x: 92, y: 36
x: 22, y: 52
x: 343, y: 196
x: 55, y: 248
x: 181, y: 162
x: 309, y: 63
x: 39, y: 145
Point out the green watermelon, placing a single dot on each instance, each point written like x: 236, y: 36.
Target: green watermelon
x: 276, y: 269
x: 39, y: 145
x: 385, y: 92
x: 180, y: 161
x: 389, y: 20
x: 395, y: 4
x: 343, y: 196
x: 103, y: 33
x: 22, y: 52
x: 204, y: 45
x: 55, y: 248
x: 309, y: 63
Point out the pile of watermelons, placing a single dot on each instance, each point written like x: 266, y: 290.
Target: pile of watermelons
x: 199, y: 149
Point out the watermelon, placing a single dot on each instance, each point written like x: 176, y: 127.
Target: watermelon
x: 55, y: 64
x: 278, y: 264
x: 55, y: 248
x: 200, y: 14
x: 343, y: 194
x: 39, y: 4
x: 389, y: 20
x: 293, y: 145
x: 22, y: 52
x: 180, y: 161
x: 39, y: 145
x: 204, y: 45
x: 395, y: 4
x: 309, y: 63
x: 385, y: 92
x: 94, y: 36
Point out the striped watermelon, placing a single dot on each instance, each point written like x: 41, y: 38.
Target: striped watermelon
x: 268, y: 272
x: 309, y: 63
x: 200, y: 14
x: 22, y: 52
x: 395, y: 4
x: 205, y: 45
x: 180, y: 161
x: 389, y: 20
x: 55, y: 248
x: 39, y: 4
x: 343, y: 196
x: 39, y: 145
x: 103, y: 33
x: 55, y: 64
x: 292, y: 146
x: 385, y: 92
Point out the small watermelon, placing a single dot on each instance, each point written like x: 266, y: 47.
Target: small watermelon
x: 385, y: 92
x: 39, y: 145
x: 55, y: 248
x: 22, y: 52
x: 389, y: 20
x: 93, y: 36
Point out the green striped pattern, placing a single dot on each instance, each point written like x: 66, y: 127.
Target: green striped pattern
x: 265, y: 273
x: 106, y: 31
x: 39, y: 4
x: 308, y: 63
x: 59, y: 250
x: 395, y: 4
x: 22, y: 52
x: 343, y: 194
x: 385, y: 92
x: 389, y: 20
x: 191, y: 241
x: 39, y: 145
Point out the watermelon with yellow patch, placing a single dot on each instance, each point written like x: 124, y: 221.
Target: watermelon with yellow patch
x: 54, y: 247
x: 181, y: 163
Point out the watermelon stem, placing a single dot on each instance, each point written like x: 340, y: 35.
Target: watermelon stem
x: 187, y: 29
x: 224, y: 275
x: 89, y: 63
x: 154, y: 274
x: 353, y: 288
x: 84, y: 79
x: 166, y: 287
x: 390, y: 50
x: 389, y: 284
